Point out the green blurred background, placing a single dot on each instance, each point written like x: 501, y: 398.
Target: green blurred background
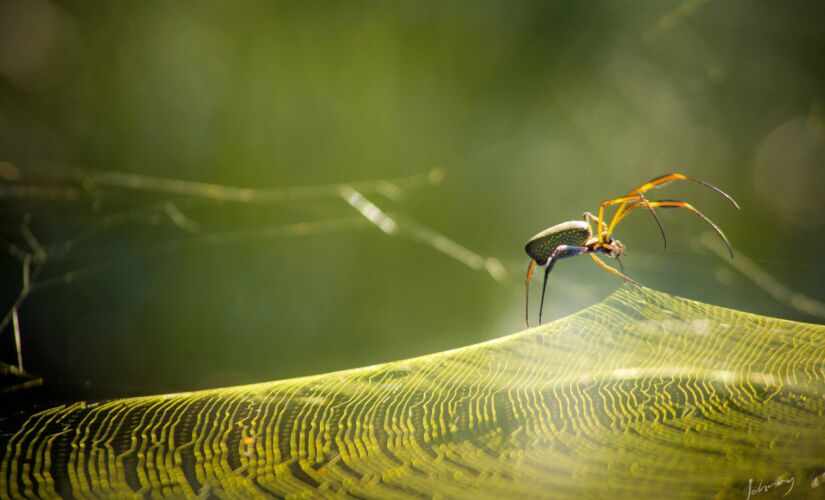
x: 534, y: 111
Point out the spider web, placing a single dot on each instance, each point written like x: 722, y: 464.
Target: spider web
x: 636, y: 397
x: 61, y: 224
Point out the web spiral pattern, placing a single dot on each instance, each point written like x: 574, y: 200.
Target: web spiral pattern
x: 642, y: 395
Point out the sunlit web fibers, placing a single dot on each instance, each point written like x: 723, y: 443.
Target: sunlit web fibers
x: 642, y: 395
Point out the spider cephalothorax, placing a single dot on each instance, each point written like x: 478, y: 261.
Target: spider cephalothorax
x: 609, y: 246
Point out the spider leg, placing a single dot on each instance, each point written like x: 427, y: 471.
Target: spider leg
x: 592, y: 219
x: 656, y: 183
x: 527, y: 290
x: 614, y: 271
x: 668, y: 178
x: 616, y: 201
x: 624, y: 201
x: 550, y: 262
x: 679, y: 204
x: 626, y: 208
x: 559, y: 252
x: 682, y: 204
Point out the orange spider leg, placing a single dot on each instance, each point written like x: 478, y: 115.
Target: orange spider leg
x: 639, y: 198
x: 527, y: 291
x: 623, y: 210
x: 655, y: 183
x: 606, y: 203
x: 662, y: 180
x: 666, y: 179
x: 681, y: 204
x: 592, y: 219
x: 614, y: 271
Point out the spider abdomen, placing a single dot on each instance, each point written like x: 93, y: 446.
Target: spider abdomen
x: 542, y: 245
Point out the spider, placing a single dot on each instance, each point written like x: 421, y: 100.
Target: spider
x: 575, y: 237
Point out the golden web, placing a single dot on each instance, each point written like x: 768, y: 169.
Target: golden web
x: 642, y: 395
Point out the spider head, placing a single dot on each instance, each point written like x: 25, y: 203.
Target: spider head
x: 616, y: 248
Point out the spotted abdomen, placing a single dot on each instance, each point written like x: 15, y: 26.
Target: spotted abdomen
x: 541, y: 246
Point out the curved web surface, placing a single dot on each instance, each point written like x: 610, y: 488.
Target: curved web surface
x: 642, y: 395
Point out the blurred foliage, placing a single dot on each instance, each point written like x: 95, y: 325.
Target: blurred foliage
x: 536, y: 111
